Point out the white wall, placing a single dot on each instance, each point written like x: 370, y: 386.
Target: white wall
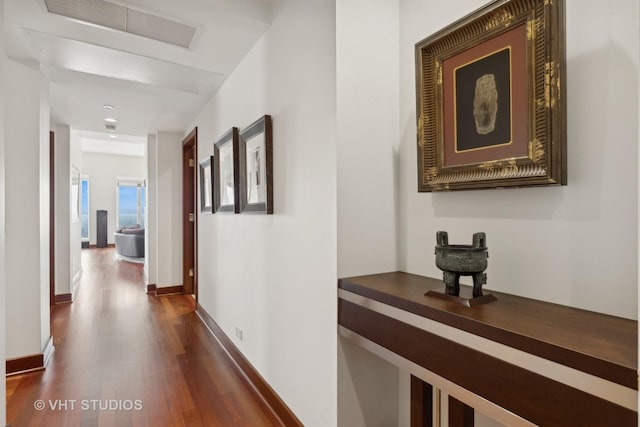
x: 27, y: 328
x: 67, y: 155
x: 274, y: 276
x: 103, y: 171
x: 367, y: 128
x: 545, y: 243
x: 62, y: 196
x: 75, y: 239
x: 169, y: 209
x: 151, y: 220
x: 3, y: 320
x: 367, y: 91
x: 573, y: 245
x: 44, y: 209
x: 368, y: 388
x: 552, y: 244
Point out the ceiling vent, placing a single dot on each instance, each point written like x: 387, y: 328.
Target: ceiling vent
x: 103, y: 13
x: 110, y: 126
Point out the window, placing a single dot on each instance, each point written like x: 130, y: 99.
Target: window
x: 84, y: 208
x: 130, y: 202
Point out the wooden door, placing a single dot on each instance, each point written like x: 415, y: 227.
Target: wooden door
x: 189, y: 216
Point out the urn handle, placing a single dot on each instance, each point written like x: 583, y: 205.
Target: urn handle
x: 479, y: 240
x: 442, y: 238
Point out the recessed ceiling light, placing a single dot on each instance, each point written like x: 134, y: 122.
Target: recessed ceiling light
x: 110, y: 120
x: 113, y: 136
x: 108, y: 107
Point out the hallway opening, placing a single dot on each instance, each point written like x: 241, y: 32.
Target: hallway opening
x: 125, y: 358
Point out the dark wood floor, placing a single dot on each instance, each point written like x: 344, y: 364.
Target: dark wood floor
x: 116, y: 345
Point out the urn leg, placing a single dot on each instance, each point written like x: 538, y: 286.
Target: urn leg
x: 452, y: 283
x: 479, y: 279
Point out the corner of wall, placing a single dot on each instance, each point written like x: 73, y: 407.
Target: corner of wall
x: 638, y: 220
x: 151, y: 220
x: 3, y: 323
x: 75, y: 249
x: 45, y: 225
x: 368, y: 134
x: 368, y: 390
x: 169, y: 208
x: 62, y: 206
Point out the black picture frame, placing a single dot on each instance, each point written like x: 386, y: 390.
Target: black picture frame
x: 226, y: 189
x: 206, y: 185
x: 256, y: 167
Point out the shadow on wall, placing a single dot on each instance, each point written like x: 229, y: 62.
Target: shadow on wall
x: 537, y: 232
x: 602, y: 147
x: 367, y: 388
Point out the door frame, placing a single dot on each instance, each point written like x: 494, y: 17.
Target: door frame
x: 52, y: 216
x: 189, y: 199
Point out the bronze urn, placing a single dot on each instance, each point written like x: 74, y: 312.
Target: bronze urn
x: 462, y: 260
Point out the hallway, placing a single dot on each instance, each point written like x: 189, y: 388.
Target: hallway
x: 124, y: 358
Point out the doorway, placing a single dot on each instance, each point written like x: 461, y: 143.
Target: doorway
x: 189, y: 217
x: 52, y: 228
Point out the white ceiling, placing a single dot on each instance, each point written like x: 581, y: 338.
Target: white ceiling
x: 95, y: 142
x: 154, y: 86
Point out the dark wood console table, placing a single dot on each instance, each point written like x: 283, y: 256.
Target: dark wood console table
x: 518, y: 360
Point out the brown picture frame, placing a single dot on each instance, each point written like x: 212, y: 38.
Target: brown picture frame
x: 490, y: 99
x: 256, y: 167
x: 226, y: 173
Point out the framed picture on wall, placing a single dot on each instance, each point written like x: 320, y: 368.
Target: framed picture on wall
x: 206, y: 187
x: 490, y: 92
x: 226, y: 191
x: 256, y: 167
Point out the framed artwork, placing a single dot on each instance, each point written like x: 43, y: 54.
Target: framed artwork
x: 490, y: 92
x: 256, y: 167
x: 206, y: 186
x: 226, y: 191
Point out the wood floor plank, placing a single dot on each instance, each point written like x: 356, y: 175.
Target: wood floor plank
x: 115, y: 343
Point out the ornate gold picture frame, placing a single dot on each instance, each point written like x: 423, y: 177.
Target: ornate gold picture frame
x: 490, y: 92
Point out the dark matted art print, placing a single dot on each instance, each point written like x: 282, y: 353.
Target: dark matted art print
x: 483, y: 91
